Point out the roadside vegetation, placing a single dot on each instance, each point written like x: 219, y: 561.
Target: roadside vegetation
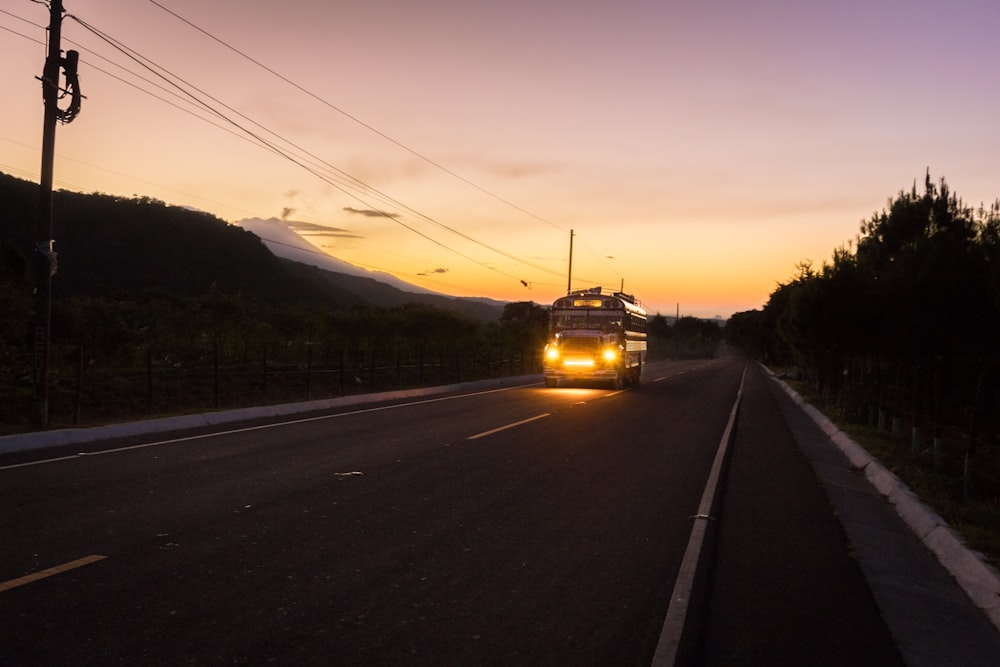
x: 939, y: 484
x: 897, y: 339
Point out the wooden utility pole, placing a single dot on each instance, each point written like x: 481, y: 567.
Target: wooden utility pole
x: 44, y: 256
x: 569, y: 273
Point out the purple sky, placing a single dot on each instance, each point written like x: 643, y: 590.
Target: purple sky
x: 698, y: 150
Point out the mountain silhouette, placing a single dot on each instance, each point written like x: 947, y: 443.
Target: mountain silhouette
x: 108, y: 245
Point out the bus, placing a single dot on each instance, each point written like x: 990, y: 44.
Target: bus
x: 595, y: 336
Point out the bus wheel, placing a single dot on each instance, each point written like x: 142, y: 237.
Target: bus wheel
x: 619, y: 381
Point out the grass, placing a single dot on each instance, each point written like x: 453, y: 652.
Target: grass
x: 976, y: 520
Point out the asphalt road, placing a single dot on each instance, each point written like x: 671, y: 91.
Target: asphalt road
x: 520, y: 525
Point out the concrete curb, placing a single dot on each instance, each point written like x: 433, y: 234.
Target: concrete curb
x: 979, y: 581
x: 76, y: 436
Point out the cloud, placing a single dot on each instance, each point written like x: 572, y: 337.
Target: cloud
x: 370, y: 213
x: 515, y: 170
x: 314, y: 229
x: 286, y: 212
x: 432, y: 272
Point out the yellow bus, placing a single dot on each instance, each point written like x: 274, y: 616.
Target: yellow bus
x: 595, y: 335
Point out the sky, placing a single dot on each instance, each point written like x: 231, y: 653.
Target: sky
x: 697, y: 152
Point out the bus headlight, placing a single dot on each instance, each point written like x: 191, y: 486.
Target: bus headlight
x: 551, y: 352
x: 610, y: 354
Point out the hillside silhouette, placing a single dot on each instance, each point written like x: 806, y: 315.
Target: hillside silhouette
x: 110, y: 245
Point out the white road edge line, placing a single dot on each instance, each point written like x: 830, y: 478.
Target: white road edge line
x: 504, y: 428
x: 673, y: 624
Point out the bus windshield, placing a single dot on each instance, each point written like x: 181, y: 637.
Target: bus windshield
x: 585, y: 320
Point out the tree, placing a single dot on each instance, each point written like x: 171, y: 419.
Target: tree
x: 657, y: 327
x: 525, y: 324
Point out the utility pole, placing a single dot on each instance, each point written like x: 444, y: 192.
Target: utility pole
x: 569, y: 274
x: 44, y: 256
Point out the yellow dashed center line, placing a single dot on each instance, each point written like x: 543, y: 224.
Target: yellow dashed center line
x: 52, y: 571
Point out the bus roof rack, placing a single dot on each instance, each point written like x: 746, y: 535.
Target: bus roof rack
x: 603, y: 292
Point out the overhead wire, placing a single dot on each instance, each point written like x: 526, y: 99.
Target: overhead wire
x: 155, y: 69
x: 254, y: 137
x: 173, y: 93
x: 186, y: 95
x: 120, y: 78
x: 169, y: 78
x: 351, y: 116
x: 385, y: 136
x: 243, y: 136
x: 270, y: 146
x: 137, y: 58
x: 21, y: 18
x: 380, y: 133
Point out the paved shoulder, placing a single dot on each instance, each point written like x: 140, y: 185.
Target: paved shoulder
x: 786, y: 589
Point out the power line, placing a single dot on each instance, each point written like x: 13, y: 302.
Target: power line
x: 243, y: 132
x: 352, y: 117
x: 176, y: 82
x: 385, y: 136
x: 19, y: 18
x: 259, y: 141
x: 254, y: 138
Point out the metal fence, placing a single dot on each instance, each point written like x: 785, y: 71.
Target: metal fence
x: 151, y: 382
x: 945, y: 414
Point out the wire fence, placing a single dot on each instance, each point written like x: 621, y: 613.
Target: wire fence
x: 149, y: 382
x: 945, y: 414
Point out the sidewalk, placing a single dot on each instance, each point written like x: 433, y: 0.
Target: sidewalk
x: 26, y: 442
x: 801, y: 546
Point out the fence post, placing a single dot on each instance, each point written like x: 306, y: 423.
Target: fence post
x: 79, y: 385
x: 968, y: 485
x: 264, y: 369
x: 342, y: 371
x: 309, y: 368
x: 215, y: 370
x: 937, y: 414
x: 149, y: 377
x: 916, y: 431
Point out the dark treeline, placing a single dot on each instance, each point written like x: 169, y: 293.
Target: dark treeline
x: 920, y: 288
x: 686, y: 338
x: 904, y: 323
x: 149, y: 353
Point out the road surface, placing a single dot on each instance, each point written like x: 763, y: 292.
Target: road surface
x: 510, y: 525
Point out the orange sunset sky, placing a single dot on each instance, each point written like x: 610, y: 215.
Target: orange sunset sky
x: 699, y: 150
